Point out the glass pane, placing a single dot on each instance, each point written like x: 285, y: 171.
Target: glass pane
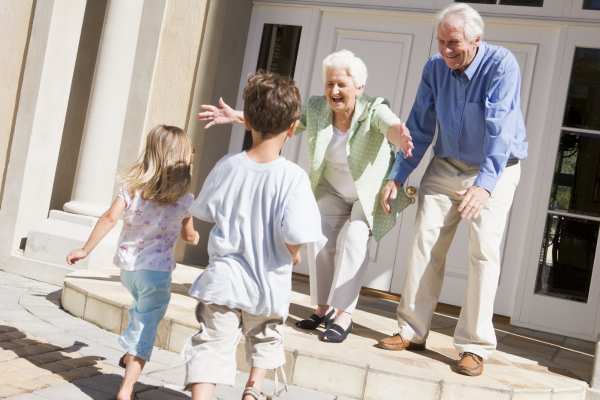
x: 279, y: 49
x: 477, y: 1
x: 567, y: 258
x: 526, y: 3
x: 576, y: 184
x: 583, y: 100
x: 591, y: 4
x: 278, y: 53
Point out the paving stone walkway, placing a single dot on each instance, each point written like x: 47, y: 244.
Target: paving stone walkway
x: 45, y: 353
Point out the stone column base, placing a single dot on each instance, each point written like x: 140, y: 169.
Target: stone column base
x: 62, y: 232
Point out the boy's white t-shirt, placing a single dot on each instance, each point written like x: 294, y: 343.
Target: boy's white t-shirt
x: 257, y: 208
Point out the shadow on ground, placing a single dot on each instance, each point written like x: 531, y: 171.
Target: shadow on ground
x: 31, y: 365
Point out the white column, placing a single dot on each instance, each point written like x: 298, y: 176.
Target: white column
x: 42, y: 107
x: 99, y: 153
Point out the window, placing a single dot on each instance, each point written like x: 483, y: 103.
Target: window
x: 278, y: 53
x: 573, y: 218
x: 523, y: 3
x: 591, y: 4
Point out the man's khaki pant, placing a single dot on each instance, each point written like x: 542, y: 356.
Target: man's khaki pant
x: 436, y: 223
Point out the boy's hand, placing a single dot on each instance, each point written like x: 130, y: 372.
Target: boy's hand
x: 76, y: 255
x: 195, y: 238
x: 296, y: 259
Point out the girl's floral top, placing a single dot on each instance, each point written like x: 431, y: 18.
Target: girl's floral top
x: 150, y: 230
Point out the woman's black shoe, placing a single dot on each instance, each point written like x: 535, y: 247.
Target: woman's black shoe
x: 335, y: 334
x: 314, y: 321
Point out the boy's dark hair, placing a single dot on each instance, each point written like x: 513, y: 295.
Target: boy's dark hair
x: 271, y: 103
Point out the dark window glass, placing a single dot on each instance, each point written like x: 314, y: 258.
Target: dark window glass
x: 526, y: 3
x: 576, y: 184
x: 583, y: 100
x: 567, y: 258
x: 477, y: 1
x: 278, y: 53
x: 279, y: 49
x: 591, y: 5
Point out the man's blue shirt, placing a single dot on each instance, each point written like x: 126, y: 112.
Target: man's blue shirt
x: 477, y: 112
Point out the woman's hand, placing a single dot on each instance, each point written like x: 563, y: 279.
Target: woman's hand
x: 76, y: 255
x: 399, y: 136
x: 221, y: 114
x: 388, y: 193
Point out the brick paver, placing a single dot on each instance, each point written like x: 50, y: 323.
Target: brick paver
x: 45, y: 353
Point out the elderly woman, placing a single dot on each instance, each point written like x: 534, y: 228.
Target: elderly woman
x: 350, y: 138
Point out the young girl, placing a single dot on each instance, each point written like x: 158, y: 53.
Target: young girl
x: 154, y: 202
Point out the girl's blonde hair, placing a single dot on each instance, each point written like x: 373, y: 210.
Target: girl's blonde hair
x: 164, y: 171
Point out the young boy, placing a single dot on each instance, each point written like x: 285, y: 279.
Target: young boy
x: 263, y: 210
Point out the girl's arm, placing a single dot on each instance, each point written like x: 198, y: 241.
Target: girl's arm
x: 294, y: 250
x: 221, y: 114
x: 188, y: 233
x: 104, y: 224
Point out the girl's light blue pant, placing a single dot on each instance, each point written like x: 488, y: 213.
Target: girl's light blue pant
x: 151, y: 291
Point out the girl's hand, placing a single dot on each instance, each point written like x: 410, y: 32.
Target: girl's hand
x: 76, y: 255
x: 221, y: 114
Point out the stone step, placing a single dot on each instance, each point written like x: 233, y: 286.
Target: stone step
x: 354, y: 369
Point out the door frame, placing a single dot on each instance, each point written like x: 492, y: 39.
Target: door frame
x: 528, y: 302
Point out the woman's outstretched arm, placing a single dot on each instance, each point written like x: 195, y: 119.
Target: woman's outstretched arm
x: 220, y: 114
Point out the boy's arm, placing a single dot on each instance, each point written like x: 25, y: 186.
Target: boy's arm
x: 294, y: 250
x: 188, y: 233
x: 104, y: 224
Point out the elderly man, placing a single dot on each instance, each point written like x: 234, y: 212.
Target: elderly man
x: 471, y: 92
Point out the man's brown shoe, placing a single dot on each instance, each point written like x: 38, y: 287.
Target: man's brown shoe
x: 469, y: 364
x: 397, y: 343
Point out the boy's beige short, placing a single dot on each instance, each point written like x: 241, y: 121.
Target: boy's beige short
x: 212, y: 352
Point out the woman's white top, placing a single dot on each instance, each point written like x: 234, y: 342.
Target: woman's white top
x: 337, y: 171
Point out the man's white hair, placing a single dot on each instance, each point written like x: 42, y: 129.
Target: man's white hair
x: 346, y: 60
x: 473, y: 23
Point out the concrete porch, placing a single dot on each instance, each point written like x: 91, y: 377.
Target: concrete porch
x: 527, y: 365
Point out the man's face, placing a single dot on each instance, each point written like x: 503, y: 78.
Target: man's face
x: 456, y: 50
x: 340, y: 90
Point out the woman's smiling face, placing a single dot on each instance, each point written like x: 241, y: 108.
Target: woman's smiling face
x: 340, y: 90
x: 455, y: 49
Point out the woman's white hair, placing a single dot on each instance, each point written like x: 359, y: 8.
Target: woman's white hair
x: 473, y: 23
x: 346, y: 60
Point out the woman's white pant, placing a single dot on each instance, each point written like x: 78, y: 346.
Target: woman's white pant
x: 337, y: 271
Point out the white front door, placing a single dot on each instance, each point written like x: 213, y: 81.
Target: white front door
x: 394, y: 48
x: 561, y: 290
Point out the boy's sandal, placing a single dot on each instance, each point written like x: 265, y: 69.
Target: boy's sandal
x: 335, y: 334
x: 314, y: 321
x: 250, y: 391
x: 122, y: 361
